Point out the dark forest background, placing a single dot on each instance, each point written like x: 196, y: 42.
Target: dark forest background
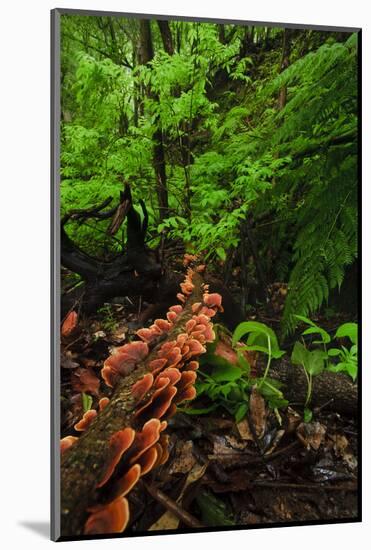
x: 240, y: 140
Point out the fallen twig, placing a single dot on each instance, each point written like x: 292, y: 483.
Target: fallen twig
x: 172, y: 506
x: 303, y: 486
x: 246, y: 458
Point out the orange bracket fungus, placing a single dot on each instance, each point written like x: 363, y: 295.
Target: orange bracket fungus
x: 124, y: 439
x: 69, y: 324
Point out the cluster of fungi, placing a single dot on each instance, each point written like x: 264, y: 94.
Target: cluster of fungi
x: 150, y: 377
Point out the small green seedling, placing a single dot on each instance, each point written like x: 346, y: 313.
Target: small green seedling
x: 228, y: 385
x: 348, y: 358
x: 325, y: 338
x: 313, y: 363
x: 263, y: 339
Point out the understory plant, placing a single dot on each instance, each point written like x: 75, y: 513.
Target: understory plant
x: 228, y: 385
x: 315, y: 361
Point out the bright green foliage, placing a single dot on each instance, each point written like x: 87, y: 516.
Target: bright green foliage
x: 347, y: 358
x: 312, y: 361
x: 233, y: 153
x: 262, y: 339
x: 228, y: 385
x: 349, y: 330
x: 316, y: 360
x: 314, y: 329
x: 327, y: 219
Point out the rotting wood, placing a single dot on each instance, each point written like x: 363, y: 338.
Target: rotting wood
x: 83, y: 463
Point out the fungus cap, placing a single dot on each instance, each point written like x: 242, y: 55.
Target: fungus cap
x: 112, y: 518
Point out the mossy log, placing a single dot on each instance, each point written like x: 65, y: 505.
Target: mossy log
x: 335, y: 390
x: 83, y: 464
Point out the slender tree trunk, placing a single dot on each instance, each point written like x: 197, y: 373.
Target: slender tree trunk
x: 285, y: 61
x: 184, y: 141
x: 252, y: 35
x: 267, y: 36
x: 146, y: 48
x: 146, y: 54
x: 160, y: 170
x: 166, y: 36
x: 222, y: 34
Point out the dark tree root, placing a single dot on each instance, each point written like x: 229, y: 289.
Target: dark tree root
x: 133, y: 272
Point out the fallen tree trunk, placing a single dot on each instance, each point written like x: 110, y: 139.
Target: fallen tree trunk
x: 84, y: 462
x: 335, y: 390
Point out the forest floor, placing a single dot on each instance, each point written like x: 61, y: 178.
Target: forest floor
x: 266, y: 470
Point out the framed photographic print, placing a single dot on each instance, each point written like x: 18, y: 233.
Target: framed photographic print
x: 205, y: 274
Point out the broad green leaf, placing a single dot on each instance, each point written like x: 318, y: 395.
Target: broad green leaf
x: 299, y: 354
x: 354, y: 349
x: 269, y: 390
x: 226, y: 373
x: 241, y: 412
x: 214, y: 360
x: 251, y: 326
x: 259, y: 333
x: 314, y: 329
x: 215, y: 391
x: 272, y: 394
x: 263, y: 349
x: 276, y: 353
x: 276, y: 402
x: 226, y: 389
x: 314, y: 362
x: 326, y: 338
x: 350, y: 368
x: 201, y: 387
x: 235, y: 393
x: 348, y: 329
x: 277, y: 384
x: 334, y: 352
